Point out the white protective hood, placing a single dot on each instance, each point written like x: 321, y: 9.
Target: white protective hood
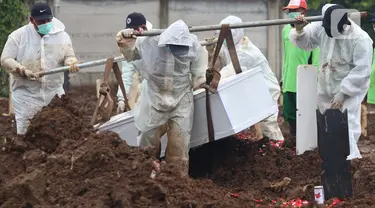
x: 176, y: 34
x: 237, y: 34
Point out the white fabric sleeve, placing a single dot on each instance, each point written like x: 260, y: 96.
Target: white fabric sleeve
x: 128, y: 70
x: 307, y: 40
x: 127, y: 47
x: 358, y: 78
x: 70, y: 57
x: 9, y: 54
x: 199, y: 66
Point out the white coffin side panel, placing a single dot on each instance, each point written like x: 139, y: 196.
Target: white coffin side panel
x: 242, y: 101
x: 307, y: 135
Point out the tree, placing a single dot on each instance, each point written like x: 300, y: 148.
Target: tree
x: 362, y: 5
x: 13, y: 15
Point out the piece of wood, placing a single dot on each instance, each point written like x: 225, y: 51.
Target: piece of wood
x: 98, y: 83
x: 333, y: 143
x: 118, y: 74
x: 306, y: 134
x: 280, y: 101
x: 10, y: 108
x: 258, y: 131
x: 364, y: 120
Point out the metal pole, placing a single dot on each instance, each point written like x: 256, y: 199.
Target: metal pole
x: 234, y: 26
x: 193, y: 29
x: 244, y: 24
x: 100, y: 62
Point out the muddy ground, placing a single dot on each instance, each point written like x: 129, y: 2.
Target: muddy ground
x: 63, y: 162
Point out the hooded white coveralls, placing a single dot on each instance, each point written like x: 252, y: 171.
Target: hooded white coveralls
x: 346, y: 67
x: 251, y: 57
x: 25, y: 47
x: 167, y: 96
x: 131, y: 77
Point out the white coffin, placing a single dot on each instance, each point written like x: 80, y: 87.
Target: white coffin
x: 241, y: 101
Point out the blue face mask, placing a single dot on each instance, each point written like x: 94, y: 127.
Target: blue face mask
x: 45, y: 28
x: 294, y: 14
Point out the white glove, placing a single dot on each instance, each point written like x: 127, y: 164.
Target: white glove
x: 74, y: 68
x: 126, y: 41
x: 128, y: 33
x: 210, y: 47
x: 23, y: 72
x: 301, y: 24
x: 338, y: 100
x: 30, y: 75
x: 120, y: 107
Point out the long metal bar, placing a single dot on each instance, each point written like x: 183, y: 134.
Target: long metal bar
x: 99, y: 62
x: 245, y: 24
x: 261, y: 23
x: 195, y: 29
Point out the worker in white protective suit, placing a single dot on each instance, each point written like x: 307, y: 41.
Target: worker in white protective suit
x: 345, y: 57
x: 250, y: 57
x: 173, y: 64
x: 38, y: 46
x: 130, y: 76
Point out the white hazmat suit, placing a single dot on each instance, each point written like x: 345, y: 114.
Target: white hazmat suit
x: 250, y: 57
x: 167, y: 96
x: 26, y: 48
x: 131, y: 77
x: 345, y: 70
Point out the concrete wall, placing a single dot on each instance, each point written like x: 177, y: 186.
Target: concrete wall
x: 92, y: 25
x: 202, y: 12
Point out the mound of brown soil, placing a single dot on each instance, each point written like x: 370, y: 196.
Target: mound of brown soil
x: 66, y: 163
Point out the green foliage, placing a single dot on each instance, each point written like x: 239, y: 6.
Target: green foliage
x: 12, y: 16
x: 352, y: 4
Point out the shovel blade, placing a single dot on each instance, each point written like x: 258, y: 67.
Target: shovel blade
x: 333, y: 144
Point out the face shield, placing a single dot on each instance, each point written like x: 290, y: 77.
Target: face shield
x: 334, y: 21
x: 178, y: 50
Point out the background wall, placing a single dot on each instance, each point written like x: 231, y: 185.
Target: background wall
x: 93, y: 24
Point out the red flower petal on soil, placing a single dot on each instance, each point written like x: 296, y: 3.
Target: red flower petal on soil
x: 336, y: 201
x: 235, y: 195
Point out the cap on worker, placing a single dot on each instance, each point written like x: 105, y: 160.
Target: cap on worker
x: 134, y: 20
x: 296, y: 4
x: 41, y: 11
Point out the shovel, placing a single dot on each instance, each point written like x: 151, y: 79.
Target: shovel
x: 333, y: 144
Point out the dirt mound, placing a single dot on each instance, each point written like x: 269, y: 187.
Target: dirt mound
x: 58, y: 121
x: 240, y: 166
x: 66, y: 163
